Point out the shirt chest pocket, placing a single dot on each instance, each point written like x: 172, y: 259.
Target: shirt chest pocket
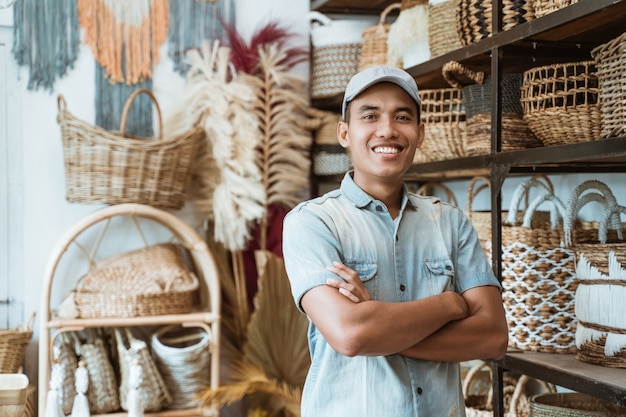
x: 367, y: 271
x: 440, y: 274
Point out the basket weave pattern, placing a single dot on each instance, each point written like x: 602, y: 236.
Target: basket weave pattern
x: 560, y: 102
x: 143, y: 282
x: 572, y: 404
x: 332, y: 68
x: 442, y: 35
x: 610, y: 61
x: 474, y: 17
x: 544, y: 7
x: 443, y: 116
x: 374, y: 49
x: 13, y: 344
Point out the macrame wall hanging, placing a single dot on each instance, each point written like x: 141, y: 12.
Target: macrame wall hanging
x: 46, y: 39
x: 125, y: 36
x: 191, y: 22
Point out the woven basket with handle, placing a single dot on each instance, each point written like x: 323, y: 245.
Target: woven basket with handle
x: 443, y: 115
x: 110, y: 167
x: 374, y: 49
x: 538, y: 277
x: 13, y: 344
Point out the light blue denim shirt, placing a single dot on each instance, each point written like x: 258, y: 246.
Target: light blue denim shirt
x: 429, y: 248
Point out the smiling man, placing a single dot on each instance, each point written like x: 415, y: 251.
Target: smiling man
x: 396, y: 286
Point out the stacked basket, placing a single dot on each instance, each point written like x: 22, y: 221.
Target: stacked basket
x: 443, y: 115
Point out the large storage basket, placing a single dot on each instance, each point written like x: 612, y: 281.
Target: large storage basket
x: 474, y: 17
x: 110, y: 167
x: 611, y: 65
x: 13, y: 344
x: 442, y: 35
x: 443, y: 115
x: 538, y: 278
x: 544, y: 7
x: 374, y: 49
x: 572, y: 404
x: 336, y: 53
x: 560, y: 102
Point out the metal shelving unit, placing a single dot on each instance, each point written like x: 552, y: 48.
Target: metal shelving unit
x: 566, y: 35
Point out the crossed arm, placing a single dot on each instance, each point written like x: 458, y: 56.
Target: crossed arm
x: 446, y: 327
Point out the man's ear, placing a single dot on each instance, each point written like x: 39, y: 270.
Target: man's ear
x: 420, y: 141
x: 342, y: 134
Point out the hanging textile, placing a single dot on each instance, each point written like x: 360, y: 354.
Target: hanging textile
x: 194, y: 21
x: 46, y: 39
x: 125, y: 36
x: 110, y: 100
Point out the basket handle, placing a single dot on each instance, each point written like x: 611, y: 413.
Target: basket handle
x: 314, y: 16
x: 386, y: 11
x: 609, y: 217
x: 450, y: 197
x: 557, y: 209
x: 458, y: 75
x: 129, y: 103
x: 578, y: 199
x: 472, y: 191
x: 523, y: 190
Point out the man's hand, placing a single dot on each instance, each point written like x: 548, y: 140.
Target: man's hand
x: 352, y: 288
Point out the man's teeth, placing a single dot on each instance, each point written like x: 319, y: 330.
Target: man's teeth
x: 386, y: 149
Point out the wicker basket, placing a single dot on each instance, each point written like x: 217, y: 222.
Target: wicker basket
x: 544, y: 7
x: 330, y: 160
x: 538, y: 277
x: 183, y: 356
x: 474, y: 17
x: 610, y: 61
x: 323, y: 124
x: 374, y: 49
x: 572, y: 404
x: 560, y: 102
x: 149, y: 281
x: 13, y: 344
x: 109, y: 167
x: 443, y: 115
x: 336, y: 53
x: 442, y: 35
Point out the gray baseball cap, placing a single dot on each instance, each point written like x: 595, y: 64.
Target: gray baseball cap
x: 374, y: 75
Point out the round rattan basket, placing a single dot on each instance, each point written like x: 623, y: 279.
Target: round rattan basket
x: 560, y: 102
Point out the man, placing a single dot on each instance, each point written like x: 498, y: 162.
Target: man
x: 396, y: 286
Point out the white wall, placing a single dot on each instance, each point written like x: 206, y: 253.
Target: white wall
x: 37, y: 160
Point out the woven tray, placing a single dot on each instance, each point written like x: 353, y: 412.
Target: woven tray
x: 110, y: 167
x: 143, y: 282
x: 560, y: 102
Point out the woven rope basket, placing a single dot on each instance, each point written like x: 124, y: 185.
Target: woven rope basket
x: 544, y: 7
x: 474, y: 17
x: 610, y: 61
x: 538, y: 277
x: 560, y: 102
x: 143, y: 282
x: 442, y: 35
x: 109, y: 167
x: 572, y: 404
x: 374, y: 49
x: 443, y: 115
x: 13, y: 344
x: 183, y: 357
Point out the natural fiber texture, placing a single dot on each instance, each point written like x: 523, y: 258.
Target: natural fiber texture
x: 442, y: 35
x: 515, y: 134
x: 517, y: 391
x: 102, y: 395
x: 330, y: 161
x: 443, y: 115
x: 183, y: 358
x: 610, y: 61
x: 125, y: 37
x: 131, y: 352
x: 459, y: 75
x: 538, y: 277
x: 428, y: 188
x: 544, y: 7
x: 65, y: 359
x: 474, y: 17
x: 407, y: 38
x: 13, y: 394
x: 13, y: 344
x: 560, y: 102
x: 332, y: 67
x: 572, y: 404
x: 102, y: 166
x: 374, y: 48
x: 143, y: 282
x: 46, y: 39
x: 226, y: 186
x: 480, y: 219
x: 323, y: 124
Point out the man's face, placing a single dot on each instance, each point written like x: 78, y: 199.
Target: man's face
x: 382, y: 133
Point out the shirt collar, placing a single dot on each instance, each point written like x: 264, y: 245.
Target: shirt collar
x: 360, y: 198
